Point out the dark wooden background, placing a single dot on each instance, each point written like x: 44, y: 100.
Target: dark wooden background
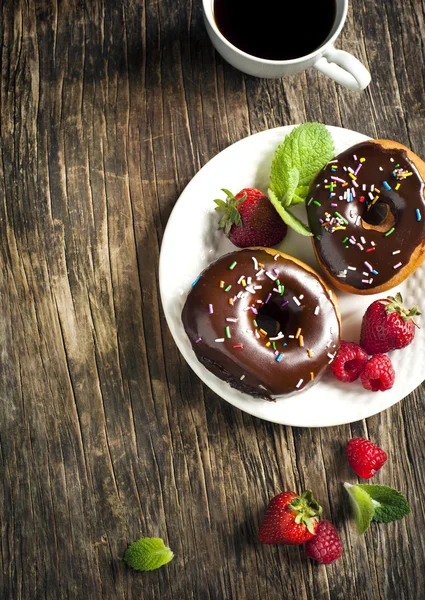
x: 108, y: 109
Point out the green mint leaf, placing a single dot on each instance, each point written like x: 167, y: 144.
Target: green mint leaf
x: 297, y: 200
x: 302, y: 191
x: 147, y: 554
x: 390, y: 504
x: 363, y: 506
x: 292, y: 179
x: 307, y: 148
x: 288, y: 217
x: 278, y: 183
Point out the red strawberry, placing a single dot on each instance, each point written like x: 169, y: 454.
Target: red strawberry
x: 364, y: 457
x: 250, y: 219
x: 378, y: 375
x: 349, y: 362
x: 387, y: 325
x: 325, y: 546
x: 290, y: 519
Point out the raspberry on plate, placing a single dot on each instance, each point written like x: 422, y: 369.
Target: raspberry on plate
x: 325, y: 546
x: 365, y: 457
x: 349, y: 362
x: 378, y: 374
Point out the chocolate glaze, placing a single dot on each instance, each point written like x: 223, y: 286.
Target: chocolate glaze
x: 254, y: 368
x: 403, y: 203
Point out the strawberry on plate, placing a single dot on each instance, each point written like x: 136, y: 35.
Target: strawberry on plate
x: 387, y: 325
x: 290, y: 519
x: 249, y: 219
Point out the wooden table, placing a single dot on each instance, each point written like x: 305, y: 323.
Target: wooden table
x: 108, y: 109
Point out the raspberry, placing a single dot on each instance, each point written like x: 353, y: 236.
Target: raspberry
x: 325, y: 546
x: 378, y: 374
x: 349, y: 362
x: 364, y: 457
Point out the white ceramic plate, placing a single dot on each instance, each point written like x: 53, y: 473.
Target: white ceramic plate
x: 191, y: 242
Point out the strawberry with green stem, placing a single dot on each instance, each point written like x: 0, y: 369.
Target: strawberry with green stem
x: 249, y: 219
x: 387, y: 325
x: 290, y: 519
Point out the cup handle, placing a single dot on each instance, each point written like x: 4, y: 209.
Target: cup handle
x: 343, y: 68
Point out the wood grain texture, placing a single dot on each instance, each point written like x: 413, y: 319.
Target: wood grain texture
x: 108, y: 109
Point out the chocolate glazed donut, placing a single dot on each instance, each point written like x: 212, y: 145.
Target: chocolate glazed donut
x: 262, y: 321
x: 366, y: 210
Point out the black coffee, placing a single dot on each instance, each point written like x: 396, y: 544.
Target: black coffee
x: 275, y: 29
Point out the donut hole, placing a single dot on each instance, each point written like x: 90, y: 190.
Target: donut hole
x: 268, y: 323
x: 273, y: 318
x: 379, y: 217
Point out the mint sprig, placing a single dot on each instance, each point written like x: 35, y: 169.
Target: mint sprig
x: 390, y: 504
x: 302, y: 154
x: 147, y: 554
x: 287, y: 216
x: 376, y: 503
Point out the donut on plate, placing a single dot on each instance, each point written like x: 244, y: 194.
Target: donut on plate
x: 366, y: 210
x: 262, y: 321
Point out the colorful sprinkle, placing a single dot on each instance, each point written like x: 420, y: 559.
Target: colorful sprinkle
x: 227, y: 330
x: 228, y: 288
x: 210, y: 308
x: 196, y: 280
x: 279, y: 357
x: 231, y: 320
x: 301, y: 341
x: 268, y: 298
x: 233, y: 265
x: 222, y: 284
x: 390, y: 231
x: 341, y: 217
x: 310, y: 353
x: 238, y: 346
x: 198, y: 340
x: 397, y: 186
x: 278, y: 337
x: 285, y: 303
x: 297, y: 335
x: 386, y: 185
x: 418, y: 214
x: 316, y: 203
x: 370, y: 249
x: 397, y: 265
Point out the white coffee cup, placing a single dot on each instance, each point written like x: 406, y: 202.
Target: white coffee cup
x: 340, y: 66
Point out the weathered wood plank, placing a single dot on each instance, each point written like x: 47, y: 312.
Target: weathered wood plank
x: 107, y: 111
